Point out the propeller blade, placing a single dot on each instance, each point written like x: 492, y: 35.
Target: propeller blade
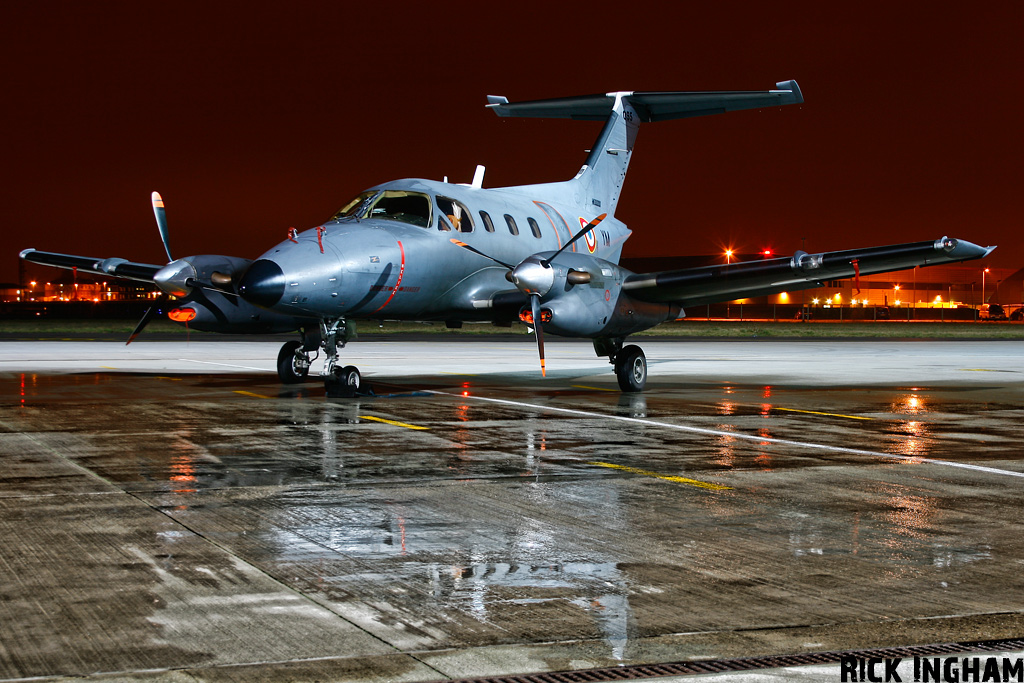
x: 161, y: 223
x: 192, y: 282
x: 538, y: 328
x: 586, y: 228
x: 477, y: 251
x: 146, y: 318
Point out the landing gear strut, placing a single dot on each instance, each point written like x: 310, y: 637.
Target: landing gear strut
x: 629, y: 361
x: 295, y: 358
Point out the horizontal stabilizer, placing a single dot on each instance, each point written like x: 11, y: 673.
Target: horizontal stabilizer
x: 650, y: 106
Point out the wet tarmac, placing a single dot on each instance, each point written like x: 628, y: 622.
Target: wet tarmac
x: 169, y: 512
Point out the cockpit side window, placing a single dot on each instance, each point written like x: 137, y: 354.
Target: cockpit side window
x: 458, y: 215
x: 407, y: 207
x: 392, y: 205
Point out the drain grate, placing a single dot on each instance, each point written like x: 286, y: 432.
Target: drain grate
x: 624, y: 673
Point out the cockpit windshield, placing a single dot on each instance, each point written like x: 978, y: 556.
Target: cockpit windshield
x: 392, y: 205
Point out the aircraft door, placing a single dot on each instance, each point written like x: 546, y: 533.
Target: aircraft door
x: 558, y: 224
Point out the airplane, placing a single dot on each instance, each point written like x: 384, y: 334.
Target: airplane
x: 545, y: 254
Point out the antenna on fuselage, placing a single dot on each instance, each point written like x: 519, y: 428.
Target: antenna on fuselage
x: 478, y: 178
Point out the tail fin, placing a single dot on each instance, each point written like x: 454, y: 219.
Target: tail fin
x: 605, y: 169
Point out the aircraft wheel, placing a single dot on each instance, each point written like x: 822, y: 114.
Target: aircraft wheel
x: 631, y: 369
x: 292, y: 369
x: 343, y: 383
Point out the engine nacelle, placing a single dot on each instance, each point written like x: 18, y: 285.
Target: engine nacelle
x: 177, y: 278
x: 586, y: 300
x: 211, y: 311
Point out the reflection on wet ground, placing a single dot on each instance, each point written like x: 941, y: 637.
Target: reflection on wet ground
x: 456, y: 527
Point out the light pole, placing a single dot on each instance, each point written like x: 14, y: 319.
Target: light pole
x: 728, y: 304
x: 983, y: 286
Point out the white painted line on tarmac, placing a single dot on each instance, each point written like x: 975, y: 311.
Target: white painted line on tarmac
x: 226, y: 365
x: 740, y: 435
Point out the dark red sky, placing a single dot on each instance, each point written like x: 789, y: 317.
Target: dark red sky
x: 253, y: 117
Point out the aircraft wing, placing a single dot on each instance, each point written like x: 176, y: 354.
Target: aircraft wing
x: 712, y: 284
x: 110, y: 267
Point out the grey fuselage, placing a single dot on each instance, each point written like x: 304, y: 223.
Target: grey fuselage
x: 404, y: 267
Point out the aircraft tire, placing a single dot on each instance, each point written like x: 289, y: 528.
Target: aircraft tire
x: 351, y: 378
x: 631, y: 369
x: 343, y: 383
x: 287, y: 369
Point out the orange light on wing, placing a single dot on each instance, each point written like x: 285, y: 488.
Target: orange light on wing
x: 182, y: 315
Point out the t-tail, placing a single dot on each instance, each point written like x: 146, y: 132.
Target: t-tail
x: 602, y: 175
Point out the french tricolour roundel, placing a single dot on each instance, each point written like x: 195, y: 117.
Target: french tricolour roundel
x: 590, y: 237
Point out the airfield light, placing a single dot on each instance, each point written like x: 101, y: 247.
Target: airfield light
x: 814, y: 301
x: 784, y: 298
x: 898, y: 302
x: 728, y: 256
x: 766, y: 253
x: 838, y: 298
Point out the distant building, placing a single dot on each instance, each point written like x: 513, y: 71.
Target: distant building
x: 65, y: 286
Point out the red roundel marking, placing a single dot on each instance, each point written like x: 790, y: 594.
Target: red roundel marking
x: 607, y: 295
x: 590, y: 237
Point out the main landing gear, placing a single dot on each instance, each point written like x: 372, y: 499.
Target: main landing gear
x: 296, y: 357
x: 629, y: 361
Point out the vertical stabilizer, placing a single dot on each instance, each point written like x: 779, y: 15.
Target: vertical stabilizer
x: 605, y: 170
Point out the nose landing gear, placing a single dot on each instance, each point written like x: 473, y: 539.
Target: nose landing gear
x: 296, y: 357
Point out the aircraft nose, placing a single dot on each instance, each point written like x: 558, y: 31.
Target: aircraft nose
x: 262, y: 284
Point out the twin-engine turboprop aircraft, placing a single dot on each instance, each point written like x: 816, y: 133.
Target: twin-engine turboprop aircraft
x: 434, y: 251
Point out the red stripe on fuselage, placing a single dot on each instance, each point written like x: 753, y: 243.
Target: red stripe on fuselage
x: 401, y: 272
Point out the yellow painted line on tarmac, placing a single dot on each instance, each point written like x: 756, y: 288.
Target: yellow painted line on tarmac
x: 249, y: 393
x: 581, y: 386
x: 391, y: 422
x: 814, y: 412
x: 978, y: 370
x: 678, y: 480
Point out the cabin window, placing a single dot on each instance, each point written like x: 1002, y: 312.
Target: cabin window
x: 442, y: 224
x: 457, y: 214
x: 534, y: 227
x: 391, y: 205
x: 512, y: 227
x: 486, y: 218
